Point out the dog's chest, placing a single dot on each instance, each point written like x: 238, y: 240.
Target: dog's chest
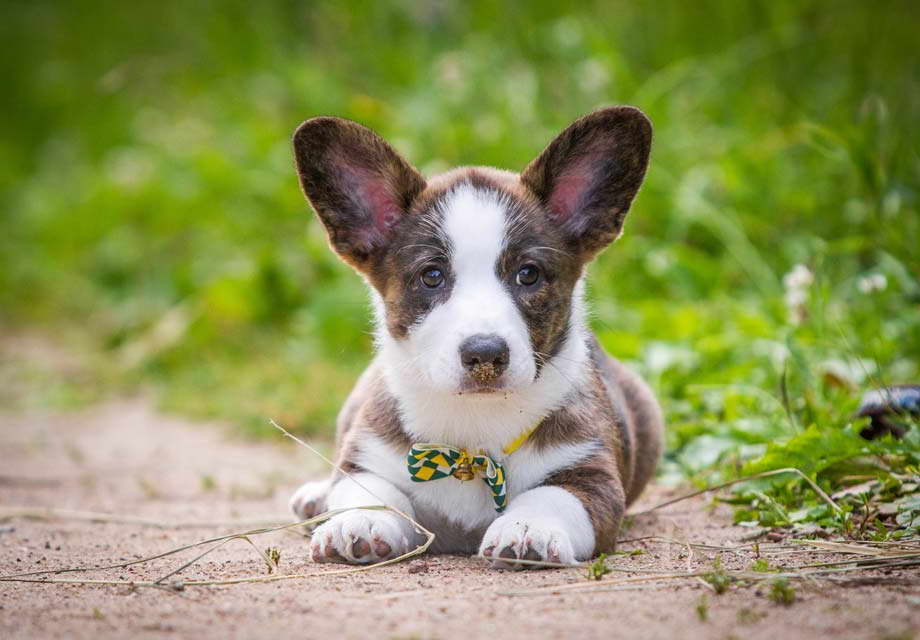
x: 459, y: 511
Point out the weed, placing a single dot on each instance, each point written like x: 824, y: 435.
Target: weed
x: 747, y: 615
x: 273, y: 554
x: 718, y: 579
x: 598, y: 569
x: 208, y: 483
x: 702, y: 608
x: 761, y: 565
x: 781, y: 592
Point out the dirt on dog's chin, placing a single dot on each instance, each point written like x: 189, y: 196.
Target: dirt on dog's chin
x: 472, y: 388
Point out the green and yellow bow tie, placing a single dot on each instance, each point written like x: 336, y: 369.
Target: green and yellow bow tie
x: 430, y: 461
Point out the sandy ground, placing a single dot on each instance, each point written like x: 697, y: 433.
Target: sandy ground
x: 123, y: 458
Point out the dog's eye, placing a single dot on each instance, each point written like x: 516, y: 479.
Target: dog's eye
x: 528, y: 275
x: 432, y: 278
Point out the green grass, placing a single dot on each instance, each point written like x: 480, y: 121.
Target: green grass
x: 150, y: 205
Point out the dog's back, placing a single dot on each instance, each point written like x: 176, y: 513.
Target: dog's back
x: 643, y: 430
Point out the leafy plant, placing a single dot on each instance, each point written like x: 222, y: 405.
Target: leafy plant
x: 718, y: 579
x: 598, y: 569
x: 781, y: 592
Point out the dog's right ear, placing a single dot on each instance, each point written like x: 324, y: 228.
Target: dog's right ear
x: 358, y: 184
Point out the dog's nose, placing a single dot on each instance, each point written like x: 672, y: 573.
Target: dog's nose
x: 485, y: 356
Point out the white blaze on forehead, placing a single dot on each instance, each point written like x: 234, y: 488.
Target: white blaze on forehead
x: 474, y: 221
x: 480, y: 303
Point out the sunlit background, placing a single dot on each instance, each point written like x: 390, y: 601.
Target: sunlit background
x: 152, y: 221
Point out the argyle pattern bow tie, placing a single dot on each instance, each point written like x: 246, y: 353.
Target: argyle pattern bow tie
x: 429, y: 461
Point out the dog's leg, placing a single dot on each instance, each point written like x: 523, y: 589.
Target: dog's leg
x: 546, y: 523
x: 364, y: 536
x: 573, y: 514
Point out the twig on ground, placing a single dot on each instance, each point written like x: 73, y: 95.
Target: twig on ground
x: 53, y: 513
x: 756, y: 476
x: 33, y: 576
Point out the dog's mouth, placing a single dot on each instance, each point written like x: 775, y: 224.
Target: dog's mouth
x: 482, y: 391
x: 471, y: 386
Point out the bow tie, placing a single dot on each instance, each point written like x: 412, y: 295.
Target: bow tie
x: 431, y: 461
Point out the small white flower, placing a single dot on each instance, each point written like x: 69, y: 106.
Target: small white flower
x: 797, y: 283
x: 873, y: 282
x: 800, y: 277
x: 796, y: 297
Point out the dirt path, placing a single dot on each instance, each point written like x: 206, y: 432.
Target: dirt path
x: 123, y: 458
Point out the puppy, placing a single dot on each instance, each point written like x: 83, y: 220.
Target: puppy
x: 490, y: 413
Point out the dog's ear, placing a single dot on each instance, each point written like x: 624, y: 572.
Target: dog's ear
x: 358, y: 184
x: 587, y: 177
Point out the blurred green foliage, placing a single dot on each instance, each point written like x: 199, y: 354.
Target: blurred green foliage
x: 149, y: 200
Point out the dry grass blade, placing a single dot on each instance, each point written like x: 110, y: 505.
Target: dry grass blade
x: 829, y: 573
x: 122, y: 565
x: 36, y: 576
x: 766, y: 474
x: 53, y: 513
x: 33, y: 576
x: 845, y: 547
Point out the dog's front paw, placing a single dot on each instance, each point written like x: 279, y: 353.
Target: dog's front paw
x: 525, y: 539
x: 361, y: 537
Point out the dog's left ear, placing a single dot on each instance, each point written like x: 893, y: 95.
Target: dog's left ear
x: 587, y: 177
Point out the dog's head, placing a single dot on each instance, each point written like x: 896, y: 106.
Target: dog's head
x: 476, y: 270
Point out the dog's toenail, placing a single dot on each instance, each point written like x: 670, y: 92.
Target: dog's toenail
x: 532, y: 554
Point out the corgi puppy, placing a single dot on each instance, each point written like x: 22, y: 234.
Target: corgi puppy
x: 490, y: 414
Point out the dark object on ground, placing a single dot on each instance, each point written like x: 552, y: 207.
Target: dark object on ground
x: 884, y: 404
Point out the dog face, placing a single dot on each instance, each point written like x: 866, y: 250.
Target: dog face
x: 475, y: 272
